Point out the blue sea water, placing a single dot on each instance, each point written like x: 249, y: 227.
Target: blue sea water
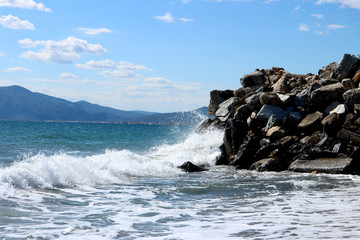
x: 119, y: 181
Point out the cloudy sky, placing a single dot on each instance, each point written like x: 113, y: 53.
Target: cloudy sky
x: 166, y: 55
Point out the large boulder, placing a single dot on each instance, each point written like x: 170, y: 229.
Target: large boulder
x: 252, y: 79
x: 347, y: 63
x: 227, y: 109
x: 310, y: 122
x: 352, y: 97
x: 268, y: 110
x: 323, y: 96
x: 323, y: 165
x: 190, y: 167
x: 302, y: 99
x: 281, y: 85
x: 328, y: 71
x: 217, y: 97
x: 268, y: 164
x: 270, y: 98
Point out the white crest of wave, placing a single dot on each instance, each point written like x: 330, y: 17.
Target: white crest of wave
x: 42, y: 171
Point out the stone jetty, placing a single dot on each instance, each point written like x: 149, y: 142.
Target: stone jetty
x: 299, y: 122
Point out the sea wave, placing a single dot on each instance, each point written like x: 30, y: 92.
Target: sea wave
x: 110, y: 167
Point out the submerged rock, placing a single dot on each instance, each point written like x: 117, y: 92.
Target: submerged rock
x: 190, y: 167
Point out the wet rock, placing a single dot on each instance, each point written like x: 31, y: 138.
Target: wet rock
x: 345, y: 66
x: 190, y: 167
x: 323, y: 96
x: 282, y: 145
x: 267, y: 111
x: 269, y: 98
x: 227, y: 109
x: 328, y: 71
x: 217, y: 97
x: 209, y: 124
x: 255, y: 78
x: 310, y: 122
x: 268, y: 164
x: 323, y: 165
x: 245, y: 156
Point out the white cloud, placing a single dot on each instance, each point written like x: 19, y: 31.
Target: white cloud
x: 166, y: 18
x: 18, y: 69
x: 270, y: 1
x: 335, y: 26
x: 166, y: 86
x: 103, y: 64
x: 303, y: 27
x: 186, y: 20
x: 344, y: 3
x: 2, y: 54
x: 122, y: 74
x: 93, y: 31
x: 318, y: 16
x: 16, y: 23
x: 64, y: 51
x: 25, y: 4
x: 68, y: 76
x: 131, y: 66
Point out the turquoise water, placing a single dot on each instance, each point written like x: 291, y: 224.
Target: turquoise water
x: 116, y: 181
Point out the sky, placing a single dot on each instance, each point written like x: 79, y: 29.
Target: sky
x: 166, y: 55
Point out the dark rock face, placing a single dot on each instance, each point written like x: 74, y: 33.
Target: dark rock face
x: 190, y: 167
x: 217, y: 97
x: 281, y: 121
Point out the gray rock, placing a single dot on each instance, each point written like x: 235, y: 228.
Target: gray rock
x: 352, y: 97
x: 328, y: 71
x: 267, y: 111
x: 346, y: 63
x: 322, y: 165
x: 275, y: 133
x: 323, y: 96
x: 217, y: 97
x: 348, y: 83
x: 340, y: 110
x: 302, y: 99
x: 331, y: 107
x: 269, y: 98
x: 227, y: 109
x: 267, y: 164
x: 310, y: 122
x: 242, y: 113
x: 285, y: 98
x: 328, y: 81
x: 253, y: 101
x: 331, y: 124
x: 295, y: 117
x: 253, y: 79
x: 281, y: 84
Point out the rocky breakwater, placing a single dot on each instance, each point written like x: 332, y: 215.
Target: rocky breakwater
x: 299, y: 122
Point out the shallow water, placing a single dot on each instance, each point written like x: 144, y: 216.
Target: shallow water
x: 86, y: 183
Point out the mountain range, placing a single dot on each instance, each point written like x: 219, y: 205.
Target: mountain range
x: 20, y: 104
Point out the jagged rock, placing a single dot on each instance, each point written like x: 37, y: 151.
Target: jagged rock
x: 356, y: 78
x: 245, y: 156
x: 323, y: 96
x: 331, y: 124
x: 269, y: 98
x: 348, y: 83
x: 310, y: 122
x: 281, y: 85
x: 217, y: 97
x: 242, y: 113
x: 240, y: 92
x: 340, y: 109
x: 227, y: 109
x: 302, y: 99
x: 209, y: 124
x: 345, y: 66
x: 270, y: 123
x: 275, y: 133
x: 328, y: 71
x: 267, y: 110
x: 190, y: 167
x: 286, y: 98
x: 234, y: 136
x: 268, y: 164
x: 253, y: 79
x: 253, y: 101
x: 323, y: 165
x: 350, y: 132
x: 331, y: 107
x: 328, y: 81
x: 352, y: 97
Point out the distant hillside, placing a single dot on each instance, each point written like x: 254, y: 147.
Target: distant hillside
x: 188, y: 117
x: 18, y: 103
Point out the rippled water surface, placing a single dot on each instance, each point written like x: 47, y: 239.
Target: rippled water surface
x: 80, y: 181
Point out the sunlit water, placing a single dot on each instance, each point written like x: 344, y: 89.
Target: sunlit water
x: 113, y: 181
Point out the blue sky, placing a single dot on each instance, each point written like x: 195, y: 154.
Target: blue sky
x: 166, y: 56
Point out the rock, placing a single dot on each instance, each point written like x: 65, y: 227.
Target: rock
x: 328, y: 71
x: 282, y: 145
x: 323, y: 165
x: 242, y: 113
x: 269, y: 98
x: 286, y: 98
x: 346, y: 64
x: 352, y: 97
x: 267, y: 111
x: 340, y: 110
x: 245, y: 156
x: 348, y: 83
x: 281, y: 85
x: 190, y: 167
x: 234, y: 136
x: 253, y: 79
x: 253, y: 101
x: 323, y: 96
x: 331, y: 107
x: 328, y: 81
x: 209, y: 124
x: 275, y: 133
x: 217, y: 97
x: 268, y: 164
x: 302, y: 99
x: 356, y: 78
x: 227, y: 109
x: 270, y: 123
x: 310, y: 122
x: 331, y: 124
x: 295, y: 117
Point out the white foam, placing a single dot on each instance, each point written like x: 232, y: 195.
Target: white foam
x: 111, y: 167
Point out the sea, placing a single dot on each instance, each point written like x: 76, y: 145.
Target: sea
x: 121, y: 181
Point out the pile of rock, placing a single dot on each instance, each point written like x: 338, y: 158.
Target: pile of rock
x: 281, y: 121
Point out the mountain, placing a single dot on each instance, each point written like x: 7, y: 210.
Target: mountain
x: 18, y: 103
x: 188, y: 117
